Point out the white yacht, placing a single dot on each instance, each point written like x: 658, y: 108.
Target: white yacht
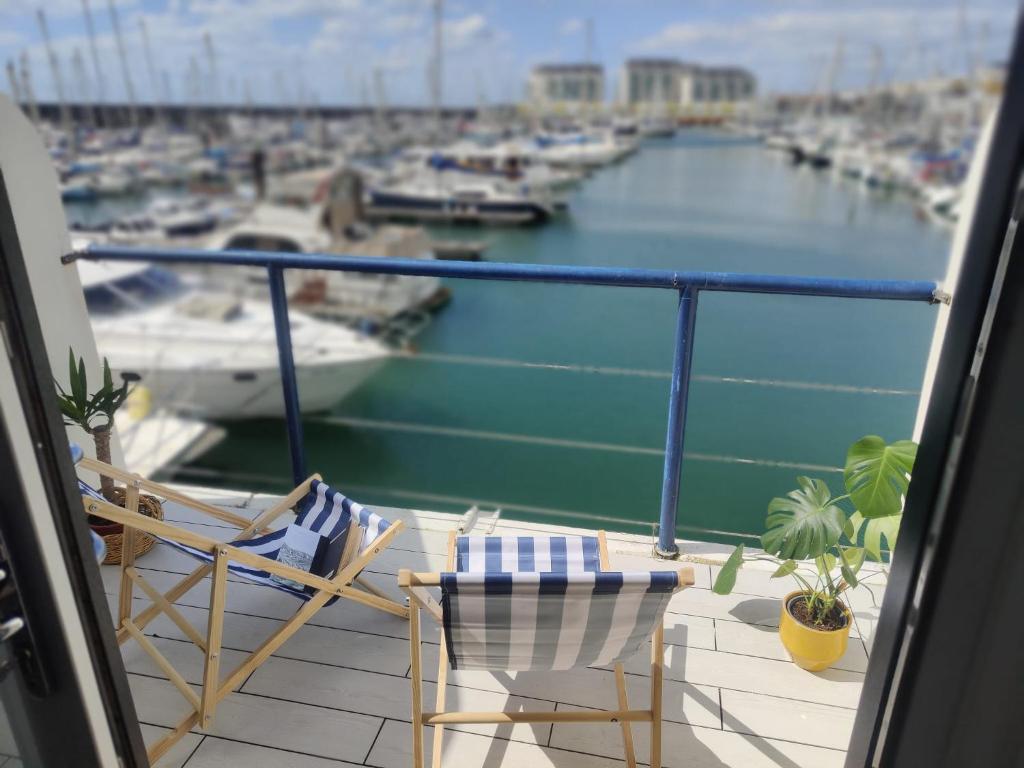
x: 335, y: 295
x: 583, y: 150
x: 429, y: 196
x: 212, y: 355
x: 176, y: 220
x: 509, y: 161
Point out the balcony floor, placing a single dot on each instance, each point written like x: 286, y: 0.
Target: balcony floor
x: 338, y: 694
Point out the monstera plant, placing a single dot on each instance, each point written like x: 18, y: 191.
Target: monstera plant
x: 821, y: 541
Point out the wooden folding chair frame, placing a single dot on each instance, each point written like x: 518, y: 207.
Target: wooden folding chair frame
x: 214, y: 689
x: 413, y: 584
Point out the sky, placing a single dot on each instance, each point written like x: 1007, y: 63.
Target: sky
x: 364, y: 51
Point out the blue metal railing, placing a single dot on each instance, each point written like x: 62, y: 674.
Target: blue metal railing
x: 689, y: 285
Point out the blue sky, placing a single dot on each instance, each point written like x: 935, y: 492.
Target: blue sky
x: 329, y: 50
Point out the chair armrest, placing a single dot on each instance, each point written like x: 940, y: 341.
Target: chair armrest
x: 412, y: 584
x: 141, y: 522
x: 170, y: 494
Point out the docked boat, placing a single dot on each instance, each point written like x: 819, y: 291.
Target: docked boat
x: 331, y: 294
x: 427, y: 197
x: 657, y: 128
x: 584, y: 150
x: 212, y: 355
x: 174, y: 219
x: 509, y: 161
x: 942, y: 203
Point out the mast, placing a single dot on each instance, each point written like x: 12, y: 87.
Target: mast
x: 85, y: 95
x: 437, y: 70
x: 58, y: 81
x: 154, y: 81
x: 129, y: 89
x: 101, y: 89
x: 192, y: 93
x: 379, y: 102
x: 833, y: 73
x: 165, y: 87
x: 211, y: 63
x: 167, y: 95
x: 26, y: 88
x: 12, y: 80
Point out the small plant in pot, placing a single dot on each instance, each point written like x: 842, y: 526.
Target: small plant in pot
x: 94, y: 413
x: 819, y: 541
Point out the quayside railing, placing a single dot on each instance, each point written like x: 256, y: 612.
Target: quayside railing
x: 688, y: 285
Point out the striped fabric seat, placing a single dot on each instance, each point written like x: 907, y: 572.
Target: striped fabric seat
x: 527, y: 554
x: 550, y: 621
x: 323, y: 510
x: 331, y: 537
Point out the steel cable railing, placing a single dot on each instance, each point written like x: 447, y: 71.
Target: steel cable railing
x: 688, y: 285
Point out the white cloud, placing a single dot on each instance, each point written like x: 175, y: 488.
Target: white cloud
x: 459, y: 33
x: 571, y: 26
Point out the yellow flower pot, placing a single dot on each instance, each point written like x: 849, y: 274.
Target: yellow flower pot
x: 812, y: 649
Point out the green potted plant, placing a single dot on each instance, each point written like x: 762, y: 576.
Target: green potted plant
x: 94, y: 413
x: 821, y: 541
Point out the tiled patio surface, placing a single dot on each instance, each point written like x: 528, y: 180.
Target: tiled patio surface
x: 338, y: 693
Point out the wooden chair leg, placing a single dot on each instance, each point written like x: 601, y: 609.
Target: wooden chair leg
x: 620, y: 675
x: 214, y: 632
x: 124, y: 600
x: 417, y: 687
x: 442, y: 671
x: 657, y: 672
x: 627, y: 728
x: 171, y: 596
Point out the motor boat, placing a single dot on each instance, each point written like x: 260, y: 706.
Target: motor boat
x: 212, y: 355
x: 330, y: 294
x: 509, y: 161
x: 583, y: 150
x: 429, y: 196
x: 175, y: 220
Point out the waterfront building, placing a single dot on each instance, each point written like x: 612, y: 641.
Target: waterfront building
x: 667, y: 85
x: 566, y: 87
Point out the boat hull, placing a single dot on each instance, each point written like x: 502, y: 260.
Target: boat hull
x: 243, y: 393
x: 396, y: 206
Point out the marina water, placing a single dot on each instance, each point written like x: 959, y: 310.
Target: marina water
x: 550, y: 401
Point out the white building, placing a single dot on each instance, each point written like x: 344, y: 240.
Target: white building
x: 670, y: 85
x: 568, y: 87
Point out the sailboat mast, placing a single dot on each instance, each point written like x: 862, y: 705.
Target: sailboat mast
x: 28, y: 90
x: 12, y: 80
x: 129, y: 89
x: 58, y: 81
x: 154, y: 81
x: 438, y: 69
x: 85, y: 95
x: 101, y: 89
x: 211, y: 63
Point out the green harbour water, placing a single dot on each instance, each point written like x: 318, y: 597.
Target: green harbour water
x: 584, y: 445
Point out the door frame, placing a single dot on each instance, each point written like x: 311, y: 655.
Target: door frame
x: 910, y: 711
x: 63, y: 597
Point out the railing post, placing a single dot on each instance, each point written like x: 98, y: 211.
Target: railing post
x: 293, y: 415
x: 685, y: 324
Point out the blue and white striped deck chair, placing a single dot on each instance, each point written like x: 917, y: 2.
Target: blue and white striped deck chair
x: 317, y: 558
x: 545, y: 603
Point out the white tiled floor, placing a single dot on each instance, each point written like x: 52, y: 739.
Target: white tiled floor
x: 338, y: 692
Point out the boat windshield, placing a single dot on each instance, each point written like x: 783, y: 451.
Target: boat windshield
x: 142, y: 290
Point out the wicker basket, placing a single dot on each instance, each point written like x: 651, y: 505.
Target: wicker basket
x: 149, y: 506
